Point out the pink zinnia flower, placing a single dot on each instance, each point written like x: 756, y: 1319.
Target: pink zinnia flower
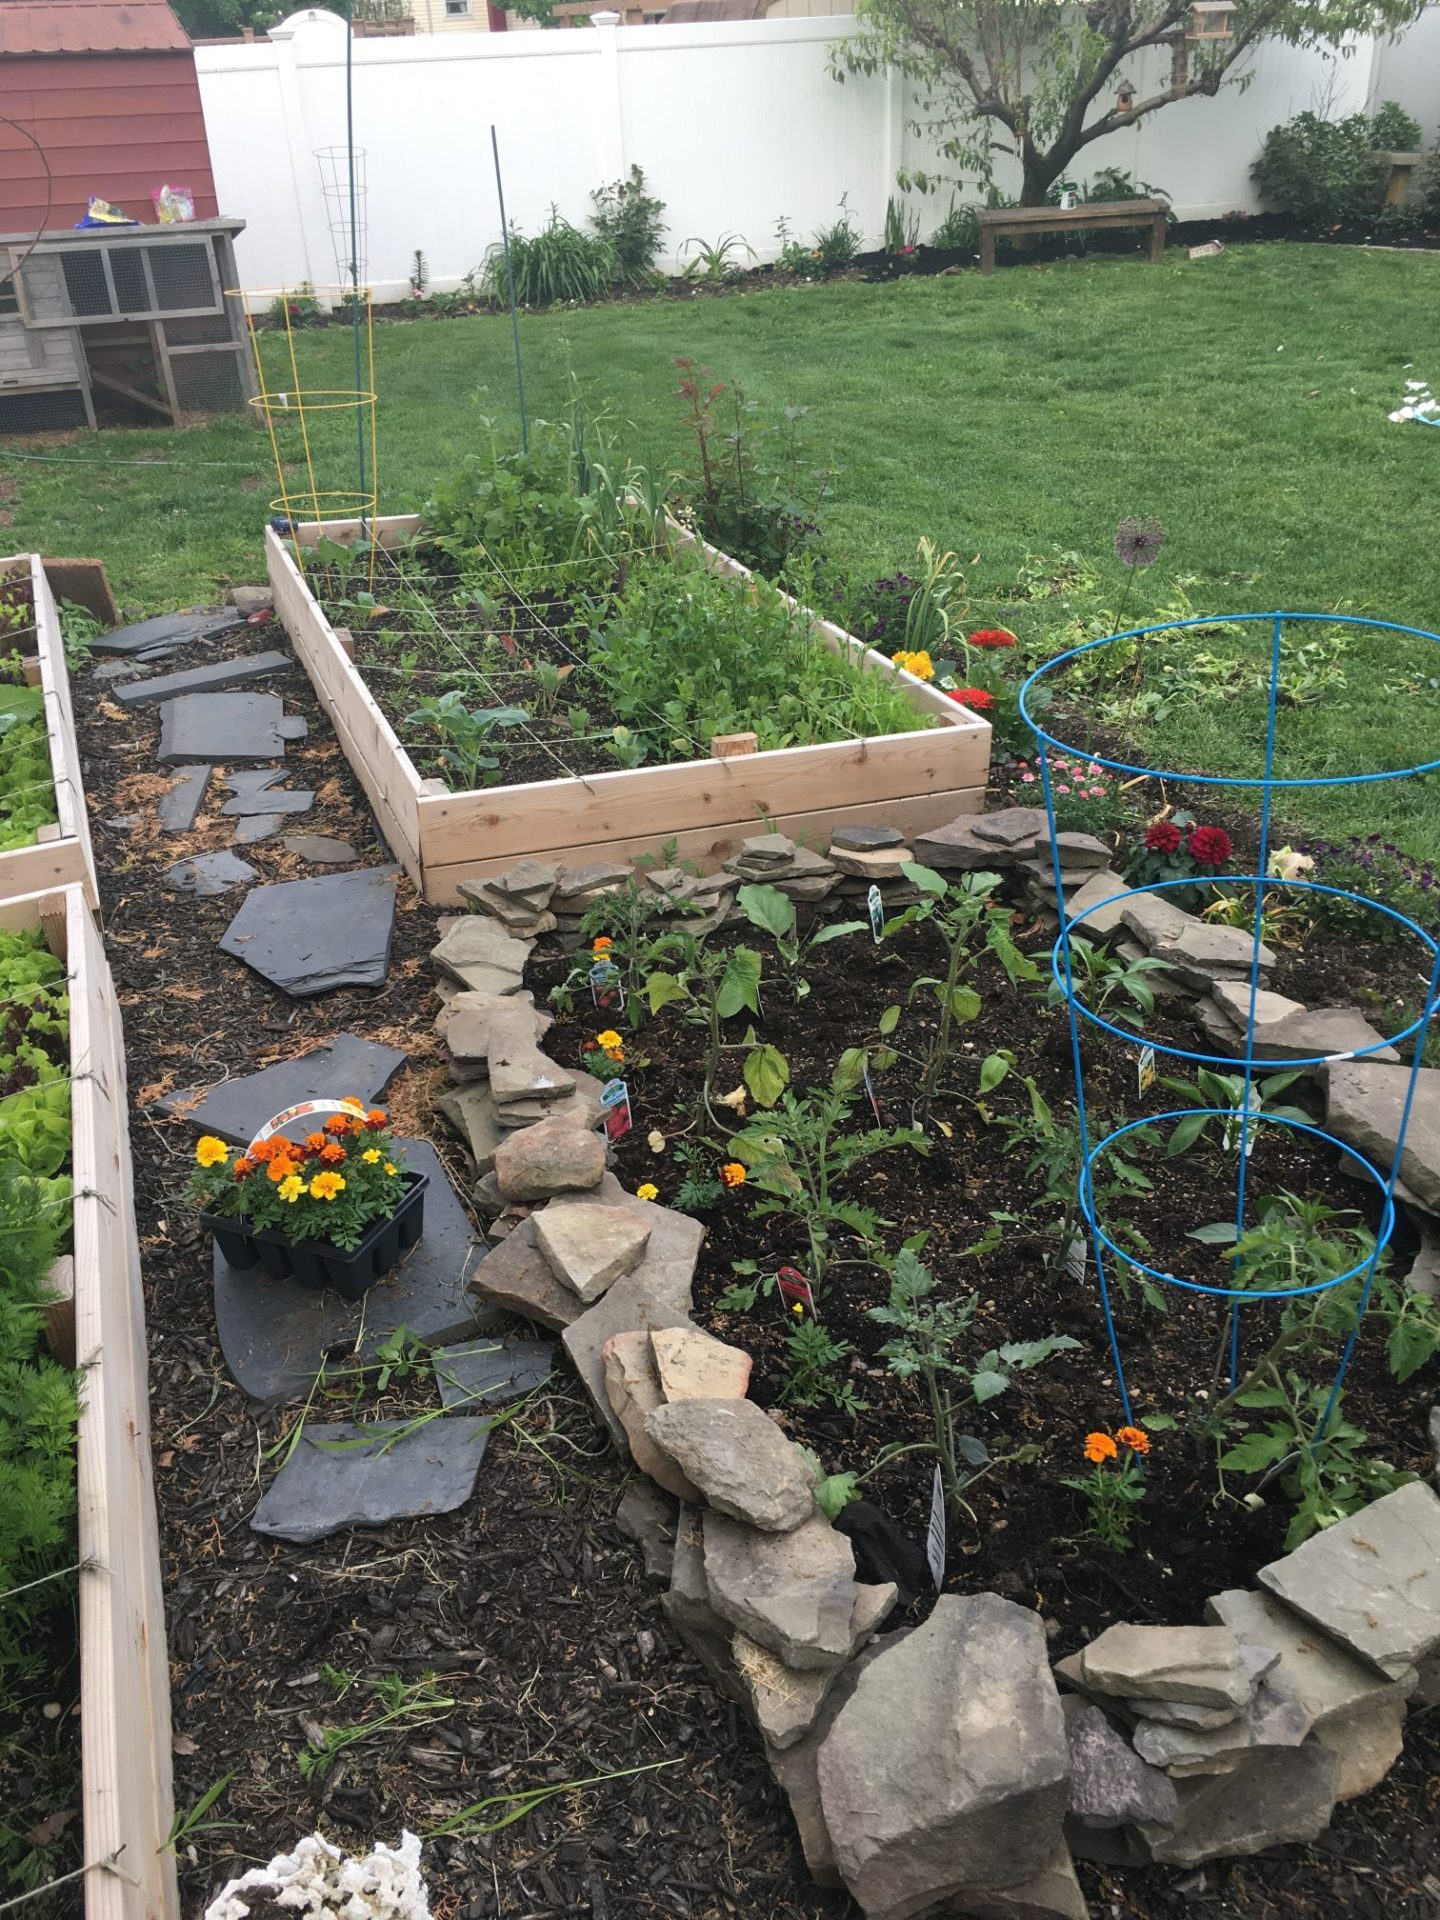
x: 1027, y: 779
x: 1062, y: 789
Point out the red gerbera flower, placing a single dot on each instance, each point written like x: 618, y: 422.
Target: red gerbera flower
x: 1209, y: 846
x: 1163, y: 837
x: 993, y: 637
x: 976, y: 698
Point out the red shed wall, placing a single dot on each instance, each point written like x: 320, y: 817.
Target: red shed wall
x: 113, y: 124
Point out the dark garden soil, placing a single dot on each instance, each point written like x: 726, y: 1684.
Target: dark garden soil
x: 527, y: 1606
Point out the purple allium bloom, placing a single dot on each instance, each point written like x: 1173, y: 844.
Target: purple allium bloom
x: 1138, y: 542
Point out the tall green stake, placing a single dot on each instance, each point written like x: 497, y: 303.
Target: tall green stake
x: 510, y: 289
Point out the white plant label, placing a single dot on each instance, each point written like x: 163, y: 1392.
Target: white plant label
x: 935, y: 1532
x: 1145, y: 1069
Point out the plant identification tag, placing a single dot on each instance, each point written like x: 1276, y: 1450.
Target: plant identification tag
x: 876, y: 906
x: 1231, y: 1136
x: 1076, y: 1255
x: 870, y: 1092
x: 606, y: 988
x: 615, y: 1105
x: 935, y: 1532
x: 795, y: 1290
x: 1145, y: 1070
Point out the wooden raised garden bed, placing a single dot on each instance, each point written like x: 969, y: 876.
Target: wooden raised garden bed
x: 62, y: 855
x: 126, y: 1805
x: 912, y: 781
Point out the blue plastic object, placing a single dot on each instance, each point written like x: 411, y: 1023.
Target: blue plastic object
x: 1243, y: 1118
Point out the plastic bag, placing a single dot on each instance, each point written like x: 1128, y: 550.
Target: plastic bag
x: 100, y: 213
x: 173, y: 204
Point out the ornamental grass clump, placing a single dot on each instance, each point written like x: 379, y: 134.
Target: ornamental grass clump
x: 330, y: 1186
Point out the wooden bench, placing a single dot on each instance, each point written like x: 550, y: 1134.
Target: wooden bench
x: 1012, y: 222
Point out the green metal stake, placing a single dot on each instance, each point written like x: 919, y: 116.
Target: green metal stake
x: 510, y: 288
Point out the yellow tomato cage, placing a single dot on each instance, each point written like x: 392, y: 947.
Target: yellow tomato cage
x: 311, y: 435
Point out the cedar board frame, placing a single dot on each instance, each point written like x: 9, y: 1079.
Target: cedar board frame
x: 125, y: 1751
x: 62, y: 856
x: 912, y: 781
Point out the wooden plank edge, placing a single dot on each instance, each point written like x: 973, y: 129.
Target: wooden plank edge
x: 72, y: 815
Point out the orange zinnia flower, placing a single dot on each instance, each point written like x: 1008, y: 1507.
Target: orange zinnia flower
x: 333, y: 1155
x: 281, y: 1168
x: 314, y: 1141
x: 1098, y: 1447
x: 1135, y: 1438
x: 338, y: 1124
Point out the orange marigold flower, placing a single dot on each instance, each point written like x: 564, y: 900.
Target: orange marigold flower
x: 602, y: 944
x: 265, y: 1150
x: 333, y: 1155
x: 732, y: 1174
x: 1135, y: 1438
x: 352, y: 1100
x: 281, y: 1168
x: 243, y: 1167
x: 375, y: 1118
x: 339, y: 1124
x: 314, y: 1141
x: 1099, y: 1446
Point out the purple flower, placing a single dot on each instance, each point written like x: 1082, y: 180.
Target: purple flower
x: 1138, y: 542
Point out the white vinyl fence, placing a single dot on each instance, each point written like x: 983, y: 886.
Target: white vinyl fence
x: 737, y: 124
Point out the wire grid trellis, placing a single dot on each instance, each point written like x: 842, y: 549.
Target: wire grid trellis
x: 314, y: 430
x: 1239, y: 1122
x: 344, y: 216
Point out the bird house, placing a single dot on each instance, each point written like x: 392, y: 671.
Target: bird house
x: 1210, y: 20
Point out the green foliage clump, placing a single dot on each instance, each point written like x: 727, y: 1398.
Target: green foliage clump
x: 1324, y: 173
x: 627, y: 219
x: 561, y: 265
x: 27, y: 785
x: 1393, y: 130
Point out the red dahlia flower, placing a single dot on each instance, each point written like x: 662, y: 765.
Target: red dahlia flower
x: 992, y: 637
x: 976, y: 698
x: 1209, y: 846
x: 1163, y: 837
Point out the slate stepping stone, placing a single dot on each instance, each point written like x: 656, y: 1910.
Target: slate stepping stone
x: 497, y: 1370
x: 276, y: 1335
x: 207, y: 874
x: 311, y: 936
x: 206, y: 679
x: 226, y: 726
x: 183, y: 802
x: 253, y: 779
x: 320, y: 850
x: 257, y: 827
x: 237, y: 1109
x: 365, y: 1476
x: 275, y: 800
x: 169, y: 630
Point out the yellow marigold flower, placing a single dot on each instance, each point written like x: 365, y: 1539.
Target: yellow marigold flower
x: 732, y: 1174
x: 1135, y: 1438
x: 647, y: 1190
x: 1098, y: 1447
x: 325, y: 1186
x: 210, y: 1152
x: 291, y: 1188
x: 390, y: 1167
x: 799, y: 1309
x: 609, y: 1041
x: 371, y: 1156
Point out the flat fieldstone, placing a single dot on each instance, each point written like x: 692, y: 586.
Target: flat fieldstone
x: 310, y: 936
x: 767, y: 849
x: 481, y: 956
x: 225, y: 726
x: 945, y: 1773
x: 519, y: 1072
x: 1154, y: 918
x: 515, y: 1275
x: 633, y: 1390
x: 648, y: 1517
x: 783, y: 1703
x: 178, y: 808
x: 958, y: 848
x: 1366, y: 1746
x: 237, y: 1109
x: 207, y: 874
x: 464, y: 1022
x: 656, y: 1294
x: 1280, y: 1795
x: 1363, y: 1105
x: 1017, y: 828
x: 1110, y: 1785
x: 1200, y: 1664
x: 257, y: 827
x: 885, y: 863
x: 1200, y: 954
x: 866, y: 839
x: 1086, y: 905
x: 1372, y: 1582
x: 740, y: 1460
x: 695, y: 1366
x: 1052, y: 1894
x: 1233, y: 999
x: 580, y: 1106
x: 1079, y: 850
x: 577, y: 886
x: 274, y: 800
x: 1330, y: 1682
x: 552, y: 1156
x: 1272, y: 1719
x: 206, y: 679
x: 498, y: 1370
x: 320, y: 849
x: 687, y: 1604
x: 530, y: 880
x: 364, y: 1476
x: 169, y: 629
x: 1327, y: 1032
x: 590, y: 1247
x: 470, y: 1114
x: 795, y: 1593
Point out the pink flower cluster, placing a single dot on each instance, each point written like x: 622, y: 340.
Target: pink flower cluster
x: 1079, y: 777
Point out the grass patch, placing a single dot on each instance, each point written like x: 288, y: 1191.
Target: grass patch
x: 1242, y: 400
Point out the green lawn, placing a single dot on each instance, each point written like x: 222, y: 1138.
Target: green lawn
x: 1241, y: 399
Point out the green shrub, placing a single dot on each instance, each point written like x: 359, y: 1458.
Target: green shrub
x: 627, y: 219
x: 1393, y: 130
x: 1324, y: 173
x: 837, y: 245
x: 561, y: 265
x: 1430, y: 189
x: 960, y: 229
